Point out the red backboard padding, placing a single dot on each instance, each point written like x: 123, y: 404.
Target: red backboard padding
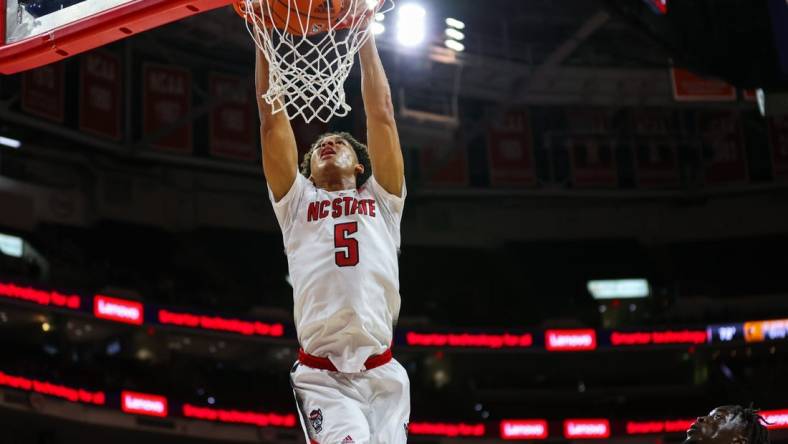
x: 97, y: 30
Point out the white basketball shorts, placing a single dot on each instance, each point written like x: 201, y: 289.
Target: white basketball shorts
x: 369, y: 407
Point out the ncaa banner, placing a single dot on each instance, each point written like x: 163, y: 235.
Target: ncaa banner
x: 510, y: 151
x: 591, y: 146
x: 43, y: 92
x: 100, y: 96
x: 444, y: 168
x: 232, y: 120
x: 167, y: 98
x: 778, y: 138
x: 655, y: 148
x: 722, y: 147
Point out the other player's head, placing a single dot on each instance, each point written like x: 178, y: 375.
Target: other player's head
x: 335, y: 157
x: 730, y: 424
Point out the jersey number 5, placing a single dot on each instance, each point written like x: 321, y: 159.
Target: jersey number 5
x: 348, y: 257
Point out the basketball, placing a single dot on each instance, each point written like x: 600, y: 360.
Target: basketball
x: 298, y: 17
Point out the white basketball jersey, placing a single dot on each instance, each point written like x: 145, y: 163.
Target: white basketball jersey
x: 342, y: 249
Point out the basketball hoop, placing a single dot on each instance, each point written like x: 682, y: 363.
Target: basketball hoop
x: 310, y: 46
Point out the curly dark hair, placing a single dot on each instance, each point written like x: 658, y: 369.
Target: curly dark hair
x: 362, y: 153
x: 756, y: 430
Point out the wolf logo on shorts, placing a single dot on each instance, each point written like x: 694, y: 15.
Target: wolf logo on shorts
x: 316, y: 419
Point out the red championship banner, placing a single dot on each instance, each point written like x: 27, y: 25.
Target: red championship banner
x: 43, y: 92
x: 722, y: 147
x: 233, y: 122
x: 167, y: 98
x: 591, y: 147
x: 100, y: 97
x: 510, y: 151
x: 656, y: 151
x: 444, y: 166
x: 690, y: 87
x: 778, y: 136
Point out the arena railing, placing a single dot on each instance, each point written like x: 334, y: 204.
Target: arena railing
x: 139, y: 313
x: 161, y: 406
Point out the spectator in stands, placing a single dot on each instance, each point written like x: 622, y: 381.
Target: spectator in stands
x: 730, y: 424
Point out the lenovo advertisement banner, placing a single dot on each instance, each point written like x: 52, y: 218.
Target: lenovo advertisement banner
x: 143, y: 404
x: 586, y: 428
x: 118, y: 310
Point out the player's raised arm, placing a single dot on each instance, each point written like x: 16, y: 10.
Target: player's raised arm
x: 382, y: 137
x: 280, y: 153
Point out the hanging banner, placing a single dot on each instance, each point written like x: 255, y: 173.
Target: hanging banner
x: 167, y: 99
x: 655, y: 148
x: 722, y: 147
x: 778, y: 136
x: 43, y: 92
x: 232, y: 120
x: 510, y: 151
x: 100, y: 94
x: 690, y: 87
x: 444, y: 168
x: 591, y: 145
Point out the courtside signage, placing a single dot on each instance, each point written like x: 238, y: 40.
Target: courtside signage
x: 47, y: 388
x: 524, y: 429
x: 40, y: 297
x: 118, y: 310
x: 446, y: 429
x: 587, y: 428
x: 570, y: 340
x: 759, y: 331
x: 258, y: 419
x: 622, y: 338
x: 219, y: 323
x: 652, y: 427
x: 725, y: 332
x: 143, y: 404
x: 478, y: 340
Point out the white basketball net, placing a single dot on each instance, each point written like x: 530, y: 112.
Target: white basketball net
x: 307, y: 73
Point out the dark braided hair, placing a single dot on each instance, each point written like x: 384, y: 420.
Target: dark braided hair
x: 755, y: 427
x: 362, y: 153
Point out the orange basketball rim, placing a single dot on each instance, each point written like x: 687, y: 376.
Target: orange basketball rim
x: 301, y: 17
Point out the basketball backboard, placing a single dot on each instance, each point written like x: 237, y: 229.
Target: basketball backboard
x: 38, y: 32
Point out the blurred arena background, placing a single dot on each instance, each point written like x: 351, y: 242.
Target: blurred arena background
x: 594, y: 245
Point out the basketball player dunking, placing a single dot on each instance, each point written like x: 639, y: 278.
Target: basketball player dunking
x: 340, y: 220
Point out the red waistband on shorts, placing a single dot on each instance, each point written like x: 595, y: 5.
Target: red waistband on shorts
x: 326, y: 364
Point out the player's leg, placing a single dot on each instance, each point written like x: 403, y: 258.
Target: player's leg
x: 388, y: 390
x: 330, y: 408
